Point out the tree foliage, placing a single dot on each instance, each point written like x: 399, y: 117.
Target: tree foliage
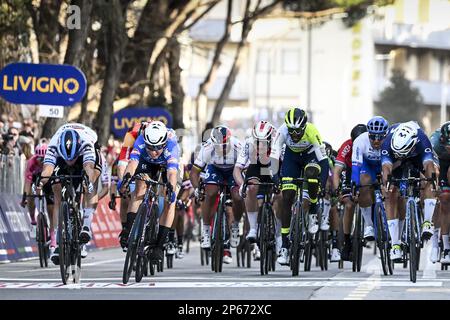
x: 399, y: 102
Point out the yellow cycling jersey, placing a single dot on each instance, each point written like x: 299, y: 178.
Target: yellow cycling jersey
x: 311, y: 141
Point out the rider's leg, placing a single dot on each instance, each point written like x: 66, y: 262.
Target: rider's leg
x: 251, y: 204
x: 445, y: 224
x: 57, y: 192
x: 207, y: 208
x: 365, y: 204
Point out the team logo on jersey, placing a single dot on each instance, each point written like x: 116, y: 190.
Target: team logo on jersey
x: 428, y: 150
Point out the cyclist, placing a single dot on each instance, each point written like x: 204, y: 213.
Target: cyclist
x: 122, y: 162
x: 155, y: 148
x: 440, y: 140
x: 72, y: 149
x: 32, y: 172
x: 342, y: 171
x: 218, y: 154
x: 327, y: 207
x: 255, y: 158
x: 366, y: 164
x: 304, y: 151
x: 406, y: 142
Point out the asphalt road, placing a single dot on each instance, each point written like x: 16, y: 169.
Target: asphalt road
x: 188, y: 280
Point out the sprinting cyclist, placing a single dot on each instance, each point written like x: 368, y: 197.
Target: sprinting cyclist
x: 366, y: 164
x: 343, y: 171
x: 407, y: 142
x: 155, y: 148
x: 440, y: 140
x: 304, y: 152
x: 218, y: 154
x: 122, y: 162
x: 72, y: 149
x: 255, y: 158
x: 32, y: 173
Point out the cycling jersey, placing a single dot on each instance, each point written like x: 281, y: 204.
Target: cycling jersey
x: 128, y: 143
x: 88, y: 139
x: 365, y: 158
x: 310, y: 142
x: 250, y: 154
x: 344, y: 157
x: 422, y: 149
x: 169, y: 156
x: 222, y: 156
x: 34, y: 167
x: 439, y: 149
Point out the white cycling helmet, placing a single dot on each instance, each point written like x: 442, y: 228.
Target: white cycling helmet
x: 155, y: 134
x: 263, y: 130
x: 404, y: 138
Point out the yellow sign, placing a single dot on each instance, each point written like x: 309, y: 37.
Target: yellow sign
x: 41, y: 84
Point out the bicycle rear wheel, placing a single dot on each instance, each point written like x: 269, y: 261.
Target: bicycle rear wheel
x: 64, y: 242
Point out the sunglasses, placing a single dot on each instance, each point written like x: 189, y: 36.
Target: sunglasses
x: 155, y: 148
x: 298, y: 131
x: 377, y: 137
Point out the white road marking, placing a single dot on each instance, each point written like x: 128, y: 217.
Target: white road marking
x: 231, y: 284
x: 82, y: 266
x: 430, y: 269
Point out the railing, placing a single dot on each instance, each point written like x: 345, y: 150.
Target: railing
x: 12, y: 170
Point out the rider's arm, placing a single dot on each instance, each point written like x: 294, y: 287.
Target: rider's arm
x: 89, y: 168
x: 241, y: 161
x: 386, y: 160
x: 275, y: 152
x: 47, y: 171
x: 337, y: 171
x: 357, y: 159
x: 203, y: 158
x: 194, y: 176
x: 386, y: 170
x: 237, y: 174
x: 321, y: 155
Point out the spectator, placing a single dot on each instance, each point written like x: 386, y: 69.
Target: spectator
x: 10, y: 144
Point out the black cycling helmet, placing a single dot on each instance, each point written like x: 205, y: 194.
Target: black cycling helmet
x: 445, y: 133
x: 357, y: 130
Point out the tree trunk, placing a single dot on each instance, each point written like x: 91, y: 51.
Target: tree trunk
x: 175, y: 84
x: 77, y: 39
x: 117, y: 40
x: 211, y: 76
x: 249, y: 18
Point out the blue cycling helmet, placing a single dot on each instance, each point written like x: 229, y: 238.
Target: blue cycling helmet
x: 377, y: 125
x: 69, y: 144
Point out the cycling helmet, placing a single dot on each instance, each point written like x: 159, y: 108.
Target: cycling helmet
x: 144, y: 124
x: 69, y: 144
x: 263, y: 130
x: 296, y: 119
x: 357, y: 130
x: 220, y: 135
x: 445, y: 133
x: 378, y: 125
x: 156, y: 134
x: 404, y: 138
x: 40, y: 150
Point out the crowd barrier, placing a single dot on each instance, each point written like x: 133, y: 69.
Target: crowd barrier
x: 17, y: 243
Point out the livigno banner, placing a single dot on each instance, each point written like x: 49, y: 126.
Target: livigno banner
x: 48, y: 84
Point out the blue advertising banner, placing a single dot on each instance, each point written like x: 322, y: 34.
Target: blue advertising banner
x: 15, y: 238
x: 47, y: 84
x: 124, y: 119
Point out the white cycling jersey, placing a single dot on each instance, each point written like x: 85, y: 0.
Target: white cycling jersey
x: 215, y: 155
x: 249, y: 154
x: 364, y: 152
x: 88, y: 139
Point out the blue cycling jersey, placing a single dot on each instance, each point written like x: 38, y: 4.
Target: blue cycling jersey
x: 422, y: 149
x: 169, y: 157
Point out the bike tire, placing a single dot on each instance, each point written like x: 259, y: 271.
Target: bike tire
x: 381, y: 238
x: 412, y: 243
x: 218, y: 239
x: 41, y: 241
x: 139, y: 273
x: 295, y: 239
x: 263, y: 262
x: 308, y: 252
x: 133, y: 243
x: 356, y: 239
x: 63, y: 241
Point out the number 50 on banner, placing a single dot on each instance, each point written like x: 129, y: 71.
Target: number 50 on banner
x: 51, y: 111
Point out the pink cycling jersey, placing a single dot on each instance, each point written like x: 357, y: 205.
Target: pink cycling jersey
x: 33, y: 167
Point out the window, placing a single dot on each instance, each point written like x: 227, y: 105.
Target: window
x: 263, y: 64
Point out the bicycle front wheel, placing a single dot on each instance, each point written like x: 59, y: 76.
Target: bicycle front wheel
x: 413, y: 235
x: 64, y: 241
x: 133, y: 243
